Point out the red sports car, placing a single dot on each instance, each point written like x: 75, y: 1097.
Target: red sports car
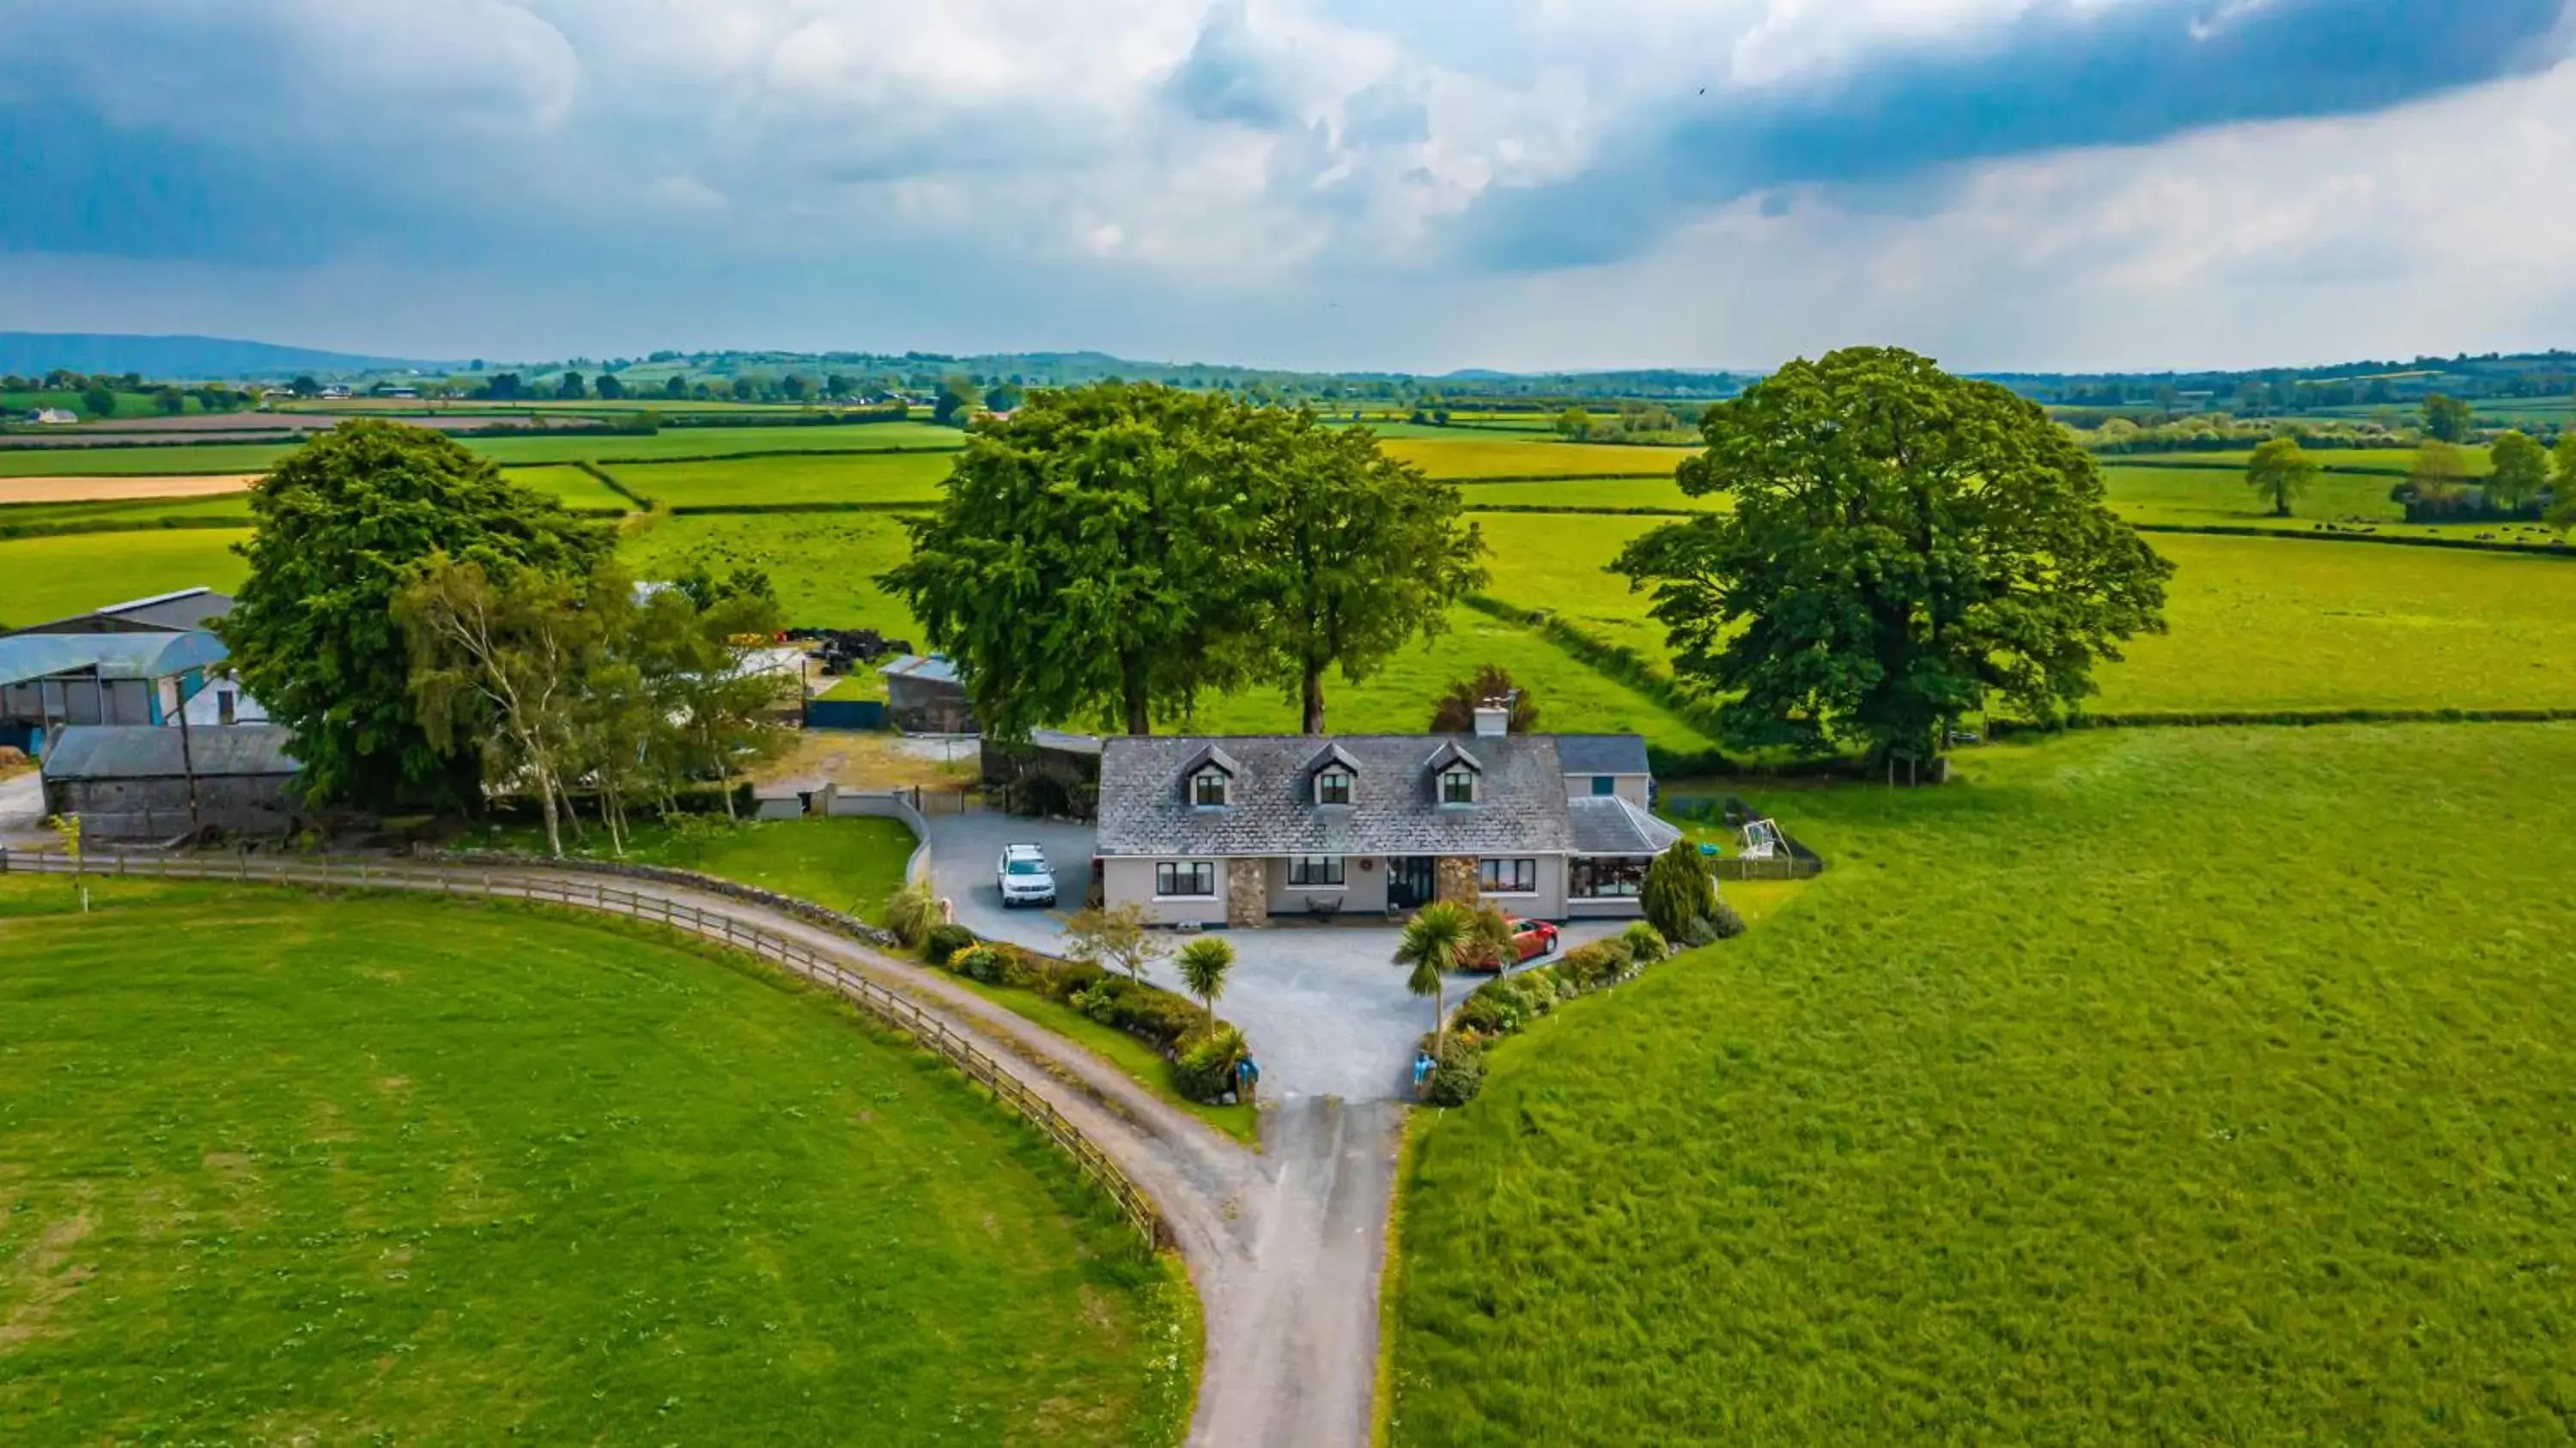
x: 1533, y: 938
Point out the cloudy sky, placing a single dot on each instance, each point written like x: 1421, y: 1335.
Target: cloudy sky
x: 1420, y: 184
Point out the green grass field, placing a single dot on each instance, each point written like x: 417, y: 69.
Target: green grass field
x: 2150, y: 1087
x: 131, y: 462
x: 2281, y: 625
x: 567, y: 485
x: 824, y: 565
x: 235, y: 506
x: 877, y: 478
x: 2255, y: 624
x: 1571, y: 696
x: 42, y: 578
x: 290, y: 1169
x: 1586, y: 493
x: 707, y: 442
x: 2220, y: 495
x: 1498, y: 457
x: 2382, y: 458
x: 847, y: 864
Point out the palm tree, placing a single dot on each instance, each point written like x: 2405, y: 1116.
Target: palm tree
x: 1203, y: 964
x: 1435, y: 943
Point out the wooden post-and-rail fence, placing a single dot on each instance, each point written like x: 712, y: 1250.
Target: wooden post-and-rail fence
x: 886, y: 1005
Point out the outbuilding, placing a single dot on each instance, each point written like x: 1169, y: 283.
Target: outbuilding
x: 141, y: 782
x: 925, y: 696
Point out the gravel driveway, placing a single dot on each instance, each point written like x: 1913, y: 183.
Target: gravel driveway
x: 1324, y: 1005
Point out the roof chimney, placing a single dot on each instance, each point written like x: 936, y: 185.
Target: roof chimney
x: 1493, y: 721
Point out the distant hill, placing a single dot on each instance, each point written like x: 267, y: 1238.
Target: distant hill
x: 30, y: 353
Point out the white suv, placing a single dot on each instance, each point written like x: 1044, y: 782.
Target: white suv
x: 1024, y: 876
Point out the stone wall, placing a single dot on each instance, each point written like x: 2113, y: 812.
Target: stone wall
x: 1247, y: 893
x: 1455, y: 882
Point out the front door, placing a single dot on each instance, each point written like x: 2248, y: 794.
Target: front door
x: 1411, y: 882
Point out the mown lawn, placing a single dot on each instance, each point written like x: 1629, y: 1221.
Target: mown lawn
x: 279, y: 1168
x: 42, y: 578
x: 2149, y: 1087
x: 845, y: 863
x: 122, y: 511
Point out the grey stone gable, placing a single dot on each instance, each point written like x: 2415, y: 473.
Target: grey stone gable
x: 1602, y: 753
x: 1520, y: 808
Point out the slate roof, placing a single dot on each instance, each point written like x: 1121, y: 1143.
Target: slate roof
x: 1608, y: 825
x: 113, y: 655
x: 147, y: 751
x: 1602, y: 753
x: 1145, y: 811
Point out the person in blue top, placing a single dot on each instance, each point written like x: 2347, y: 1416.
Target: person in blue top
x: 1247, y: 1078
x: 1422, y: 1067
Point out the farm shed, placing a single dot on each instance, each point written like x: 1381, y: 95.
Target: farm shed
x: 925, y: 696
x: 1054, y: 774
x: 51, y: 680
x: 134, y: 782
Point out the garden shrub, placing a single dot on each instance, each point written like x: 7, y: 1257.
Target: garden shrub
x: 1061, y: 980
x: 942, y: 941
x: 1459, y: 1074
x: 990, y: 963
x: 1157, y: 1017
x: 910, y: 912
x: 1643, y: 942
x: 1590, y: 967
x: 1203, y: 1067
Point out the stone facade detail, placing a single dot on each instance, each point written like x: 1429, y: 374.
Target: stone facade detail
x: 1456, y: 881
x: 1247, y: 893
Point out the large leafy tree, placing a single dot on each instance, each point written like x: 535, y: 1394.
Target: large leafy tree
x: 2279, y: 472
x: 2448, y: 419
x: 1089, y: 558
x: 342, y: 522
x: 1901, y: 544
x: 2517, y: 471
x: 1358, y: 553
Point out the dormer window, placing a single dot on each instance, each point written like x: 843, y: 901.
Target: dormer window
x: 1333, y: 774
x: 1333, y: 786
x: 1208, y: 778
x: 1453, y: 775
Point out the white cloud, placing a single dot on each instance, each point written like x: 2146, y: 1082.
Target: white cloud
x: 1264, y: 179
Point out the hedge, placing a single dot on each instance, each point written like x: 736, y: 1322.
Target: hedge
x: 710, y: 510
x: 2556, y: 548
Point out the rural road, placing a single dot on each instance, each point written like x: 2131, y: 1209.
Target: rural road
x: 1285, y: 1247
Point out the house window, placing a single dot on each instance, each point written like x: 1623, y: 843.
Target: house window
x: 223, y: 706
x: 1508, y: 877
x: 1184, y: 879
x: 1315, y: 870
x: 1207, y: 789
x: 1608, y: 879
x: 1333, y: 786
x: 1604, y: 784
x: 1458, y: 786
